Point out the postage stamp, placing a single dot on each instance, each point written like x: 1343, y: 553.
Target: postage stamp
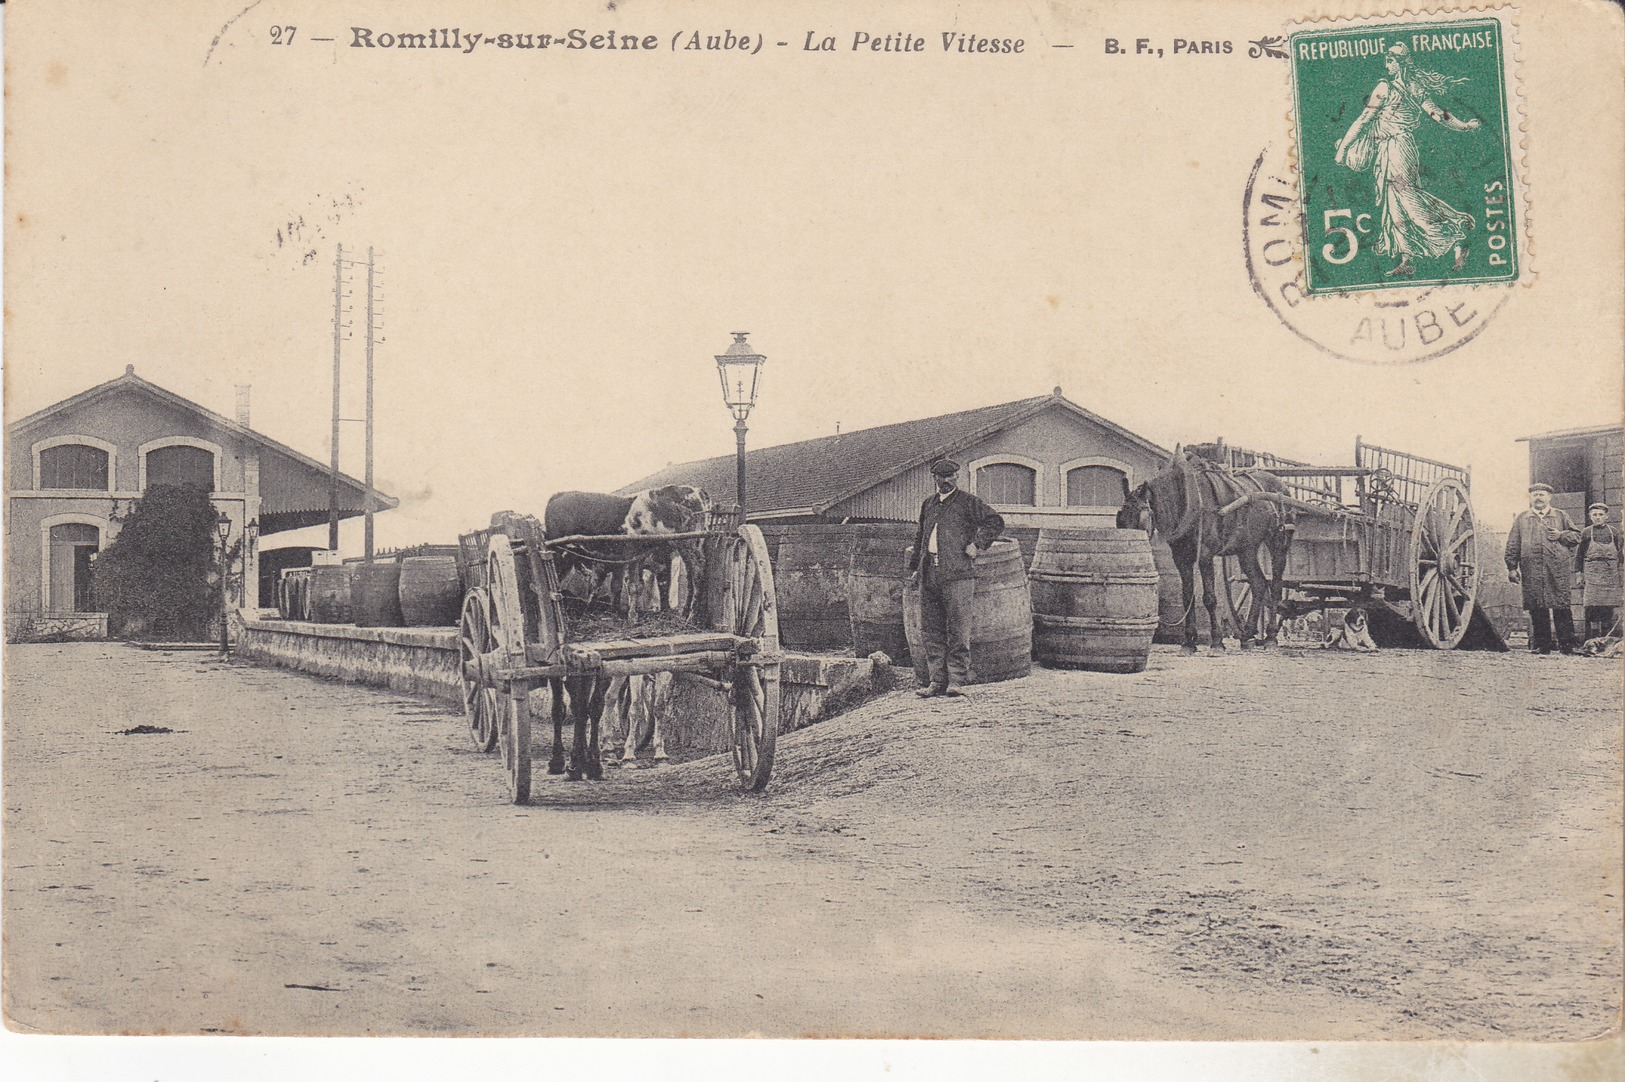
x: 1407, y: 153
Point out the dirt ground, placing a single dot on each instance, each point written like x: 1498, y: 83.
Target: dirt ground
x: 1285, y: 844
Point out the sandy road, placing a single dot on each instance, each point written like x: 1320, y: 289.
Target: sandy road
x: 1269, y: 845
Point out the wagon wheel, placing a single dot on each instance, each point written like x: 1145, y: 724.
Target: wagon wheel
x: 751, y: 607
x: 1236, y: 593
x: 507, y: 627
x: 474, y: 640
x: 1444, y: 563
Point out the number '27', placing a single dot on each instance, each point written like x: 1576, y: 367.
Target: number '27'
x: 282, y: 35
x: 1327, y: 250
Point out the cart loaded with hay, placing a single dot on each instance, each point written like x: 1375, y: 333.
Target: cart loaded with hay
x: 520, y: 632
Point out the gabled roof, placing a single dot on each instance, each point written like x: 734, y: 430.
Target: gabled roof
x: 814, y: 475
x: 129, y: 381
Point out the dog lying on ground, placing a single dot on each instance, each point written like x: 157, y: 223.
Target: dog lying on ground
x: 1605, y: 646
x: 1354, y: 634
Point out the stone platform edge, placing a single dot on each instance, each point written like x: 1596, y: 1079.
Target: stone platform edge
x: 423, y: 661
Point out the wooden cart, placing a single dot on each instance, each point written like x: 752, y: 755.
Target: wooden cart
x: 1395, y: 532
x: 513, y: 639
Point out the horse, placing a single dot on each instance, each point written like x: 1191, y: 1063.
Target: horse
x: 639, y: 581
x: 1182, y: 505
x: 650, y: 513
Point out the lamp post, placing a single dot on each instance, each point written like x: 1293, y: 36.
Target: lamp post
x: 740, y: 369
x: 222, y: 529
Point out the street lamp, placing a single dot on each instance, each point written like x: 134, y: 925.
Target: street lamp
x: 222, y: 529
x: 740, y: 369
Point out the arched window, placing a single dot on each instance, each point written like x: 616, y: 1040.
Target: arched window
x: 1008, y: 484
x: 180, y: 464
x: 1096, y: 486
x: 73, y: 465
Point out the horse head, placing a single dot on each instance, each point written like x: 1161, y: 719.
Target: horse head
x: 1135, y: 514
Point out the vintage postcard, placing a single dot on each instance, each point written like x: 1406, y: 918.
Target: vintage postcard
x: 1026, y: 526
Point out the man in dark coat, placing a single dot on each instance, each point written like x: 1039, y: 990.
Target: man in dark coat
x: 954, y: 527
x: 1540, y: 556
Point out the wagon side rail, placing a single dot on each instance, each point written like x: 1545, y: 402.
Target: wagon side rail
x: 1401, y: 477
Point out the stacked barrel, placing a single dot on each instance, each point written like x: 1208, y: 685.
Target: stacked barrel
x: 410, y: 591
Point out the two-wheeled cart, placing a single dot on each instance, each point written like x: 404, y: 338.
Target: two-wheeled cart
x: 513, y: 638
x: 1395, y: 532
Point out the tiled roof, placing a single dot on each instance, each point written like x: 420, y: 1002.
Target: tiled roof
x: 814, y: 475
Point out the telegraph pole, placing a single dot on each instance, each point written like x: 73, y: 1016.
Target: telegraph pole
x: 338, y: 331
x: 369, y: 503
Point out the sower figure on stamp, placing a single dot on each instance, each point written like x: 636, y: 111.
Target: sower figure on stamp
x: 954, y: 527
x: 1415, y: 223
x: 1598, y: 559
x: 1540, y: 555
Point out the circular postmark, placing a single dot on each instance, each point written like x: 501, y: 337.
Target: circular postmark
x: 1388, y: 326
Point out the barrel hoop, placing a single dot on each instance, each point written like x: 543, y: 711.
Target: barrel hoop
x: 1094, y: 577
x: 1130, y: 624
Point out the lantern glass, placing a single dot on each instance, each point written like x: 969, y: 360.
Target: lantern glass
x: 740, y: 370
x: 222, y: 527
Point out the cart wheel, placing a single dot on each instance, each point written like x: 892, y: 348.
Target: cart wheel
x: 752, y: 612
x: 516, y: 742
x: 1236, y: 593
x: 474, y: 640
x: 1444, y: 563
x: 502, y: 580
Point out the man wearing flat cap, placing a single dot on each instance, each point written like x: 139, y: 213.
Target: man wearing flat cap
x: 1598, y: 559
x: 954, y: 527
x: 1540, y: 556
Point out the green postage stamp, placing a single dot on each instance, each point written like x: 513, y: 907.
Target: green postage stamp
x: 1406, y: 153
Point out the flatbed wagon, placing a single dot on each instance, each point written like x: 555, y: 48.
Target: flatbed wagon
x: 513, y: 638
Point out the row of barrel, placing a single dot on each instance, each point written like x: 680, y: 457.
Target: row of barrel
x: 1090, y: 600
x: 417, y: 591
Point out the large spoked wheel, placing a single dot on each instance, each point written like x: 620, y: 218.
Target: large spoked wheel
x: 1444, y: 564
x: 474, y: 641
x: 1236, y: 594
x: 507, y: 626
x: 752, y: 612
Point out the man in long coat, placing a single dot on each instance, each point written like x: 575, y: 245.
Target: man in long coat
x: 1540, y: 556
x: 954, y: 527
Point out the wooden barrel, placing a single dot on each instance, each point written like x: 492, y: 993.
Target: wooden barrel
x: 375, y: 594
x: 877, y: 577
x: 330, y: 595
x: 1095, y: 600
x: 1001, y: 637
x: 810, y: 575
x: 431, y: 592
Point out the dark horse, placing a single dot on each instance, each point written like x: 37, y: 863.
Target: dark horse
x: 1182, y: 504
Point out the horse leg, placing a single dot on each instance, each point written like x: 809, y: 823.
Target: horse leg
x: 555, y: 763
x: 1259, y: 587
x: 660, y: 688
x: 1210, y: 599
x: 595, y: 711
x: 580, y: 689
x: 1280, y: 545
x: 1185, y: 561
x: 618, y: 709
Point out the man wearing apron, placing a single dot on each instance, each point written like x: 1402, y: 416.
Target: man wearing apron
x: 1598, y: 560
